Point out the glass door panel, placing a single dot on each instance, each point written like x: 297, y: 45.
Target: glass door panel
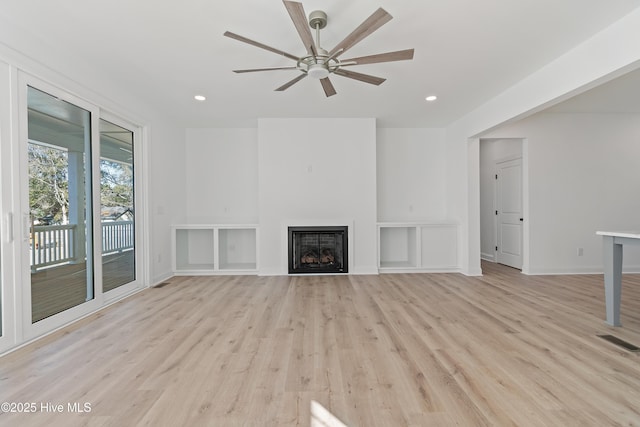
x: 59, y: 164
x: 117, y: 206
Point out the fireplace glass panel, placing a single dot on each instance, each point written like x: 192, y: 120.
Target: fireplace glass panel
x: 318, y: 250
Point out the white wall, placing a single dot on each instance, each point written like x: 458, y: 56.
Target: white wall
x: 165, y: 161
x: 411, y: 175
x: 583, y: 177
x: 311, y: 177
x: 222, y: 176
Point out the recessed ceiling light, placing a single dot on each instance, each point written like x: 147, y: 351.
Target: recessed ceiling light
x: 200, y: 97
x: 431, y: 98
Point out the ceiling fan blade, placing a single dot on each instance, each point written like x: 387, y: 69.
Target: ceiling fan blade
x: 329, y: 90
x: 251, y: 70
x: 399, y: 55
x: 291, y: 82
x: 372, y: 23
x: 260, y: 45
x: 299, y: 18
x: 359, y: 76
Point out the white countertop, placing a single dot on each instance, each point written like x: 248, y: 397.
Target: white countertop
x: 629, y: 234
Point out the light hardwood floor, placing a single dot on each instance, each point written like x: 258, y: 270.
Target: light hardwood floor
x: 390, y: 350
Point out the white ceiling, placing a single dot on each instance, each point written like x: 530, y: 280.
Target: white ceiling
x: 466, y: 52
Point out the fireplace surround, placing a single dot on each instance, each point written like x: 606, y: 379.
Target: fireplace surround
x: 318, y: 249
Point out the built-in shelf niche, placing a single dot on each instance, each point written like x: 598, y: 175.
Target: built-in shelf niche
x: 201, y: 249
x: 237, y: 248
x: 412, y: 247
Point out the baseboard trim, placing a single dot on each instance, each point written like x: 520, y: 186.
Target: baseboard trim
x: 488, y: 257
x: 418, y: 270
x: 577, y: 270
x: 159, y: 279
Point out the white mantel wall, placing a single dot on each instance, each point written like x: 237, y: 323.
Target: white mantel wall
x: 384, y: 174
x: 317, y: 172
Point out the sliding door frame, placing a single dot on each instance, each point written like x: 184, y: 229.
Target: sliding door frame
x: 31, y: 330
x: 25, y: 329
x: 7, y: 265
x: 9, y: 257
x: 139, y: 210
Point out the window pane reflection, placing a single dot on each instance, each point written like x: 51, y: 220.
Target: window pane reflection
x: 117, y: 205
x: 59, y: 157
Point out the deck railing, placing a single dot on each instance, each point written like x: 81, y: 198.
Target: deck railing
x: 52, y: 244
x: 56, y: 244
x: 117, y: 236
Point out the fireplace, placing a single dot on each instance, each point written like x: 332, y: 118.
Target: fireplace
x: 318, y: 250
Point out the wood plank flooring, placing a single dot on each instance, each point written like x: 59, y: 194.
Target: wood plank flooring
x: 390, y: 350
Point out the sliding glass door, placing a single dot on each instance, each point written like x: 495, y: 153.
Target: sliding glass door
x: 70, y: 210
x: 117, y: 205
x: 79, y: 208
x: 60, y: 210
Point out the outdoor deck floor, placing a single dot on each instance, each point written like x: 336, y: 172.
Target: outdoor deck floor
x: 56, y: 289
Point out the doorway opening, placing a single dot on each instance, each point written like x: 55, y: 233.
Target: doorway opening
x: 502, y: 216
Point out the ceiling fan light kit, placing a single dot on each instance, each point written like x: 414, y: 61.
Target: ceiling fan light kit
x: 318, y: 71
x: 320, y: 63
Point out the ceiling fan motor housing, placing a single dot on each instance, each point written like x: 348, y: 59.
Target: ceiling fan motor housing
x: 317, y: 19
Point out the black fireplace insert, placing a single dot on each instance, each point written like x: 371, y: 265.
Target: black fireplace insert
x: 318, y: 250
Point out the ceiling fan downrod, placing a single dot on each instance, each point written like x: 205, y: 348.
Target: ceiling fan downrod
x: 318, y: 65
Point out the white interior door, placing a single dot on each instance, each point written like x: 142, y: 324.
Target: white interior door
x: 509, y: 212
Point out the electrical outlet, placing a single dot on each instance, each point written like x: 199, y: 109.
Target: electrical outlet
x: 580, y: 251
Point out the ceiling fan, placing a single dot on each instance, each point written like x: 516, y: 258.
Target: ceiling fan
x: 320, y: 63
